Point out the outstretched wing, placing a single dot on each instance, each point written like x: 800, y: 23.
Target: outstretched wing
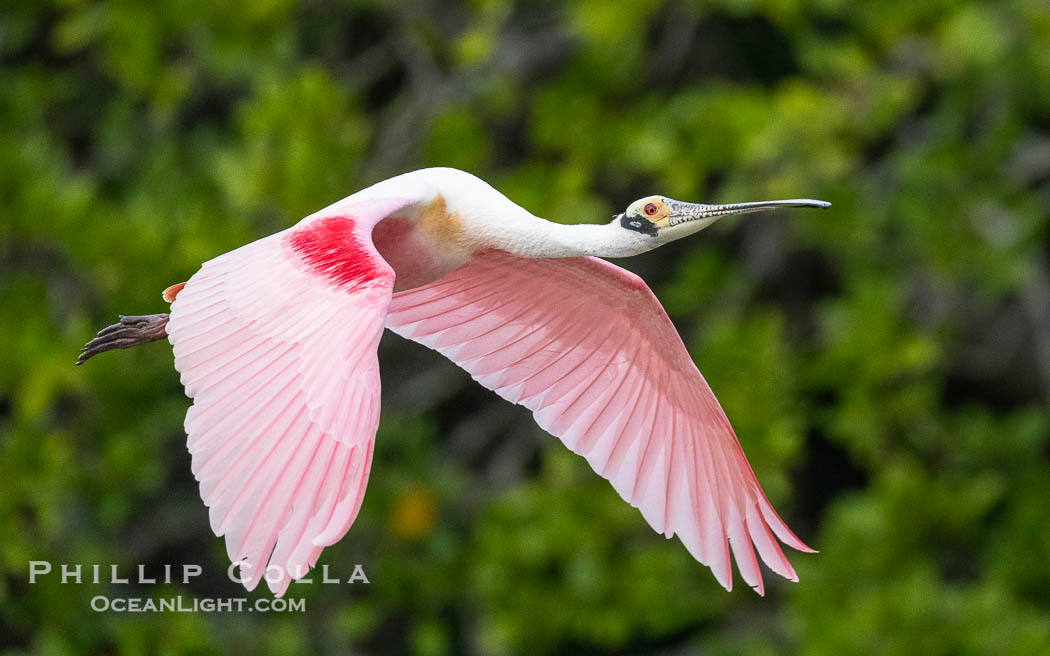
x: 587, y: 347
x: 276, y: 343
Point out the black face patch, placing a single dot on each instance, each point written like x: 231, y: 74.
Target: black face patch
x: 638, y: 224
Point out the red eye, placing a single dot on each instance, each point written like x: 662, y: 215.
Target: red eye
x: 650, y: 209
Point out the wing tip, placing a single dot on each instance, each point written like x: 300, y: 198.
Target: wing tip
x: 725, y: 579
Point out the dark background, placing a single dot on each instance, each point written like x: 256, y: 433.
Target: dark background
x: 886, y: 363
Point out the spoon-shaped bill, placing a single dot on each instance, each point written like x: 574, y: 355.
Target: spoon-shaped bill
x: 682, y: 212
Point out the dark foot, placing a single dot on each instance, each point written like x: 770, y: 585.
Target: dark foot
x: 131, y: 331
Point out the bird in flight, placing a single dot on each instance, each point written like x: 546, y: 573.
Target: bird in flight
x: 276, y: 345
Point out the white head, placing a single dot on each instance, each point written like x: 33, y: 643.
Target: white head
x: 646, y: 224
x: 663, y: 220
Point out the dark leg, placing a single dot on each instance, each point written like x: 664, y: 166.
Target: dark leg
x: 131, y: 331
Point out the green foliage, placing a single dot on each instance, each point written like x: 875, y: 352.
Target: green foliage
x: 886, y: 363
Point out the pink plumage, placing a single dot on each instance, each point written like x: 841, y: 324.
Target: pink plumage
x: 586, y: 346
x: 276, y: 344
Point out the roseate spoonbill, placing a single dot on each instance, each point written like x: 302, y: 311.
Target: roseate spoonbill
x: 276, y: 344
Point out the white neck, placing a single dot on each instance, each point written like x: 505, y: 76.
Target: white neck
x: 547, y: 239
x: 490, y: 220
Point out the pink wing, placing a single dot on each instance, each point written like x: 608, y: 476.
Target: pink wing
x: 276, y: 342
x: 587, y: 347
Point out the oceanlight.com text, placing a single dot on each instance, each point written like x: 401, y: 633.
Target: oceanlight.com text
x: 182, y: 604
